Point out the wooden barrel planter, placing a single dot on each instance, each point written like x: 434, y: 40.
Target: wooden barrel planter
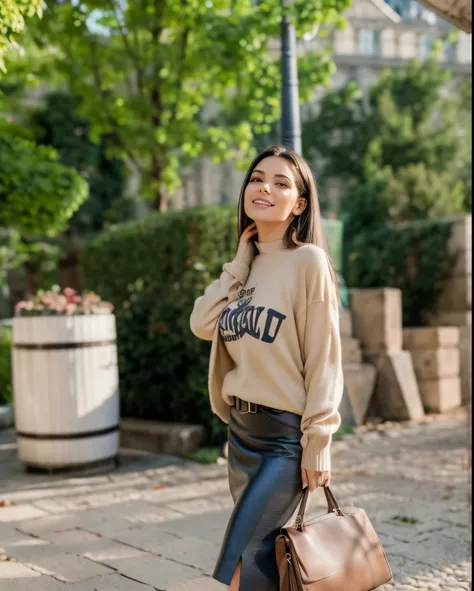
x: 66, y: 390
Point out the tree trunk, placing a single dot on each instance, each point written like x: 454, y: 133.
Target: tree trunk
x: 32, y: 278
x: 69, y: 275
x: 160, y: 201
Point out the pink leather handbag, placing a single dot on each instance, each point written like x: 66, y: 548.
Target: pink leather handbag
x: 337, y: 551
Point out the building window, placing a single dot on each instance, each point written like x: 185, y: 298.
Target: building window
x: 369, y: 42
x: 426, y: 46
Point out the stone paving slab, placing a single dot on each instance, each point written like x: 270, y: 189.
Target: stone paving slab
x: 15, y: 570
x: 38, y: 583
x: 51, y: 560
x: 157, y: 522
x: 156, y: 571
x: 109, y: 583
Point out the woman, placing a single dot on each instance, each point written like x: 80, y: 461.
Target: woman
x: 275, y: 372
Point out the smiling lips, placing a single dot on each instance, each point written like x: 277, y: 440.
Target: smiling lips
x: 263, y: 203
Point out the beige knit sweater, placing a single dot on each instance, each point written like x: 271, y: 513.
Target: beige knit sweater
x: 273, y: 320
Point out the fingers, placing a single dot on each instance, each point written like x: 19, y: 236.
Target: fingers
x: 304, y: 477
x: 314, y: 478
x: 251, y: 229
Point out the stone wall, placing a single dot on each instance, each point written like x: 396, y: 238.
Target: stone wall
x: 454, y: 307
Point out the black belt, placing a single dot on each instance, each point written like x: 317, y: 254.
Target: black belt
x: 245, y: 407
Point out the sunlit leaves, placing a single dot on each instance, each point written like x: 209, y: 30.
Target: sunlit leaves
x: 171, y: 81
x: 38, y: 195
x: 12, y: 22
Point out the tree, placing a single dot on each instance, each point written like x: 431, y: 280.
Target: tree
x: 412, y: 134
x: 58, y: 125
x: 38, y: 195
x: 12, y: 23
x: 174, y: 80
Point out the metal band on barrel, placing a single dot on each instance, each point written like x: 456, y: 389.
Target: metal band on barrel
x: 56, y: 346
x: 56, y: 436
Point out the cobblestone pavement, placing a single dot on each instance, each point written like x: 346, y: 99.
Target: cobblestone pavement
x: 157, y: 521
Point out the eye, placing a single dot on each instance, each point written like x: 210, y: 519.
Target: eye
x: 254, y: 179
x: 283, y: 185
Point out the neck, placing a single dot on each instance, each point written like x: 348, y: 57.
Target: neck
x: 271, y: 232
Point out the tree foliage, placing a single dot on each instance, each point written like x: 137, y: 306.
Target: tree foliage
x: 12, y: 23
x: 59, y: 125
x: 174, y: 80
x: 411, y: 134
x: 37, y: 193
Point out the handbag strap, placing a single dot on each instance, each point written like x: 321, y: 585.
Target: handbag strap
x: 331, y: 501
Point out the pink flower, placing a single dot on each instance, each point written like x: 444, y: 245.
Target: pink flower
x: 70, y: 294
x: 20, y: 306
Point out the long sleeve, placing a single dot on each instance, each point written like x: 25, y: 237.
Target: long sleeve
x: 208, y: 307
x: 322, y: 372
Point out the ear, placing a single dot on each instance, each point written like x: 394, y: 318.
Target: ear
x: 300, y: 206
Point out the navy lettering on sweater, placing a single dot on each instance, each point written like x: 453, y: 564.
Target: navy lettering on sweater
x: 259, y: 322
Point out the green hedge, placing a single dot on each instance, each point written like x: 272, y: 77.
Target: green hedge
x: 6, y: 391
x: 413, y: 258
x: 153, y: 270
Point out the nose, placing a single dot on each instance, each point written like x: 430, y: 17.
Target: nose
x: 265, y: 187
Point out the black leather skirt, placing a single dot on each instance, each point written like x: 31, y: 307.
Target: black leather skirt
x: 264, y: 460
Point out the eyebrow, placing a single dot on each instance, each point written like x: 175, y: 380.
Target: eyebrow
x: 280, y: 175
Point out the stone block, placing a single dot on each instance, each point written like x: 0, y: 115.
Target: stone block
x: 359, y: 381
x: 345, y: 322
x: 351, y: 352
x: 461, y: 234
x: 160, y: 437
x: 440, y: 395
x: 431, y: 338
x: 445, y: 318
x: 456, y: 295
x: 345, y: 409
x: 463, y: 265
x: 432, y: 364
x: 396, y: 395
x: 465, y: 338
x: 377, y: 318
x: 465, y: 349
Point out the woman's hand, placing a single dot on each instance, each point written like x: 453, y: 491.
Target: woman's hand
x: 249, y: 231
x: 315, y: 478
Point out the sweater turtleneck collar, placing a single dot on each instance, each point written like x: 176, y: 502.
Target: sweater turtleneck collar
x: 270, y: 247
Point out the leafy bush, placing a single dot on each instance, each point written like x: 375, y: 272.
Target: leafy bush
x: 412, y: 257
x: 152, y: 270
x: 156, y: 268
x: 37, y: 194
x: 6, y: 390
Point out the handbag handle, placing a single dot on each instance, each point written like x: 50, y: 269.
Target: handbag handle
x: 332, y: 506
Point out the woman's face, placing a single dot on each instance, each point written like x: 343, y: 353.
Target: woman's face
x: 271, y: 194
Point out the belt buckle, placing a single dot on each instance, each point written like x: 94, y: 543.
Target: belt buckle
x: 249, y: 407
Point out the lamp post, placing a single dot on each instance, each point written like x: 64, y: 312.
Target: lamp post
x: 290, y: 108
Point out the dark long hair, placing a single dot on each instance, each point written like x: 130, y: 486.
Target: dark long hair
x: 305, y: 228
